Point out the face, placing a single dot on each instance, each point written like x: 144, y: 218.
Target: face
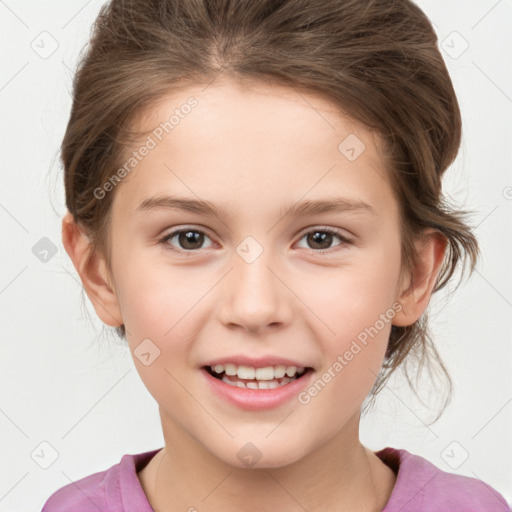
x: 266, y: 279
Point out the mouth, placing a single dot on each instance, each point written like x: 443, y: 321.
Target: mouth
x: 247, y: 377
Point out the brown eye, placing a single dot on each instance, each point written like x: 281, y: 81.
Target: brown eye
x: 190, y: 239
x: 185, y: 240
x: 322, y: 239
x: 319, y: 240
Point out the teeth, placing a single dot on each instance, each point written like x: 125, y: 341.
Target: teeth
x: 253, y: 384
x: 230, y: 369
x: 245, y: 372
x: 291, y: 371
x: 267, y: 373
x: 279, y: 371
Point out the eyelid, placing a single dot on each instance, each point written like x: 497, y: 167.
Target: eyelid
x: 335, y: 231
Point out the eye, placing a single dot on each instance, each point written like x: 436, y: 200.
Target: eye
x: 191, y: 240
x: 187, y: 239
x: 321, y: 238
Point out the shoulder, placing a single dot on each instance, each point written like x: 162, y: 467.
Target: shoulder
x: 104, y: 490
x: 421, y: 485
x: 83, y: 495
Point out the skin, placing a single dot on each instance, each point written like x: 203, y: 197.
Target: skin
x: 253, y: 149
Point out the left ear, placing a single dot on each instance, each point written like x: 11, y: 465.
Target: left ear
x: 414, y: 299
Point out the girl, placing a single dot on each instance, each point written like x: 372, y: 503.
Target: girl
x: 255, y: 204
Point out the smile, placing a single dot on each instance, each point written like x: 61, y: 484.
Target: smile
x: 256, y: 387
x: 268, y: 377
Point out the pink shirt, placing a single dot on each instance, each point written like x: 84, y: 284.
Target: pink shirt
x: 420, y: 487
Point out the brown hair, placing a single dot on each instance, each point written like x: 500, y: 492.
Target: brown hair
x: 377, y: 60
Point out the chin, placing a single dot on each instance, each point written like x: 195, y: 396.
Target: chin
x: 260, y: 453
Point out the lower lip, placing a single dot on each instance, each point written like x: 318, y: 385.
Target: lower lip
x: 257, y: 399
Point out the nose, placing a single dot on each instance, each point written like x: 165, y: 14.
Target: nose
x: 255, y: 296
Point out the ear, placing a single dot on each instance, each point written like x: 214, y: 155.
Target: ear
x: 415, y: 298
x: 92, y: 271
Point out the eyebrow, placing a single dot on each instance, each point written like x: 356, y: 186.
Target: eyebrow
x: 308, y: 207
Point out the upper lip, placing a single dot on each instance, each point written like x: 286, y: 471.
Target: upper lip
x: 255, y: 362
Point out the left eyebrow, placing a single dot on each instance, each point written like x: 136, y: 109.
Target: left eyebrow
x: 308, y: 207
x: 334, y: 205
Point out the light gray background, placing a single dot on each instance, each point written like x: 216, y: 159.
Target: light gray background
x: 65, y: 384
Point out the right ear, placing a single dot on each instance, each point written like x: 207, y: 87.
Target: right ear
x: 92, y: 271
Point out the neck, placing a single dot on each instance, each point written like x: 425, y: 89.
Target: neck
x: 339, y: 475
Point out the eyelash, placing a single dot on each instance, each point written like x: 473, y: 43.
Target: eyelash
x: 164, y: 241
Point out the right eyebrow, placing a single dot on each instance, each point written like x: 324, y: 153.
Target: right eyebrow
x: 177, y: 203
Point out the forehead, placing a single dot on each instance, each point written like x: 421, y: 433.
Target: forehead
x: 232, y: 142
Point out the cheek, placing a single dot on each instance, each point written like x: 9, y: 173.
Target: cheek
x: 161, y: 303
x: 159, y: 333
x: 355, y: 305
x: 350, y: 299
x: 352, y: 354
x: 157, y: 328
x: 152, y: 296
